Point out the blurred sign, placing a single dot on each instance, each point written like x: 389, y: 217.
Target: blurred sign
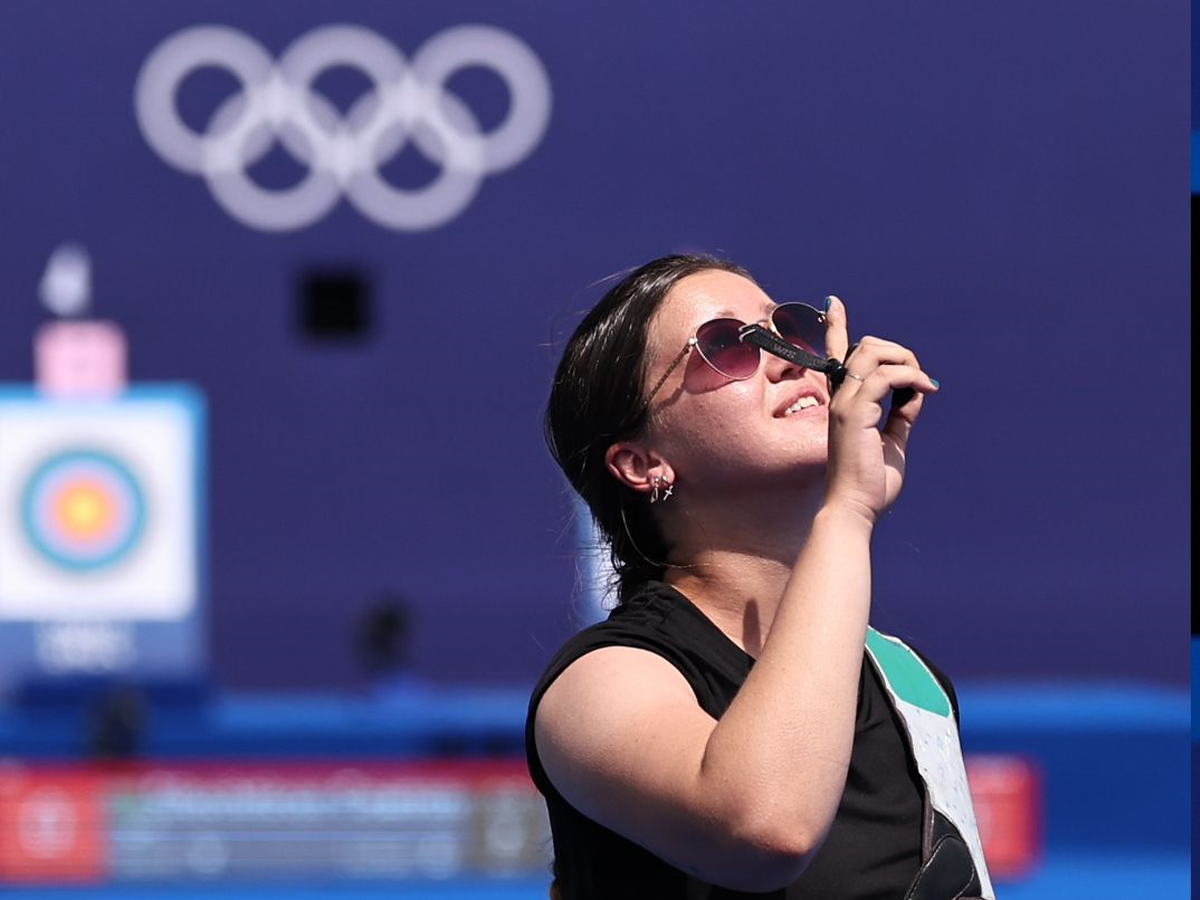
x: 287, y: 821
x: 80, y: 359
x: 51, y: 829
x: 272, y: 822
x: 1007, y: 793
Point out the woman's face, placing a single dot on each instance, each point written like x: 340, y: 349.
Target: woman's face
x: 715, y: 431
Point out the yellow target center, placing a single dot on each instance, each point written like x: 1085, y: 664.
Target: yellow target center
x: 84, y: 510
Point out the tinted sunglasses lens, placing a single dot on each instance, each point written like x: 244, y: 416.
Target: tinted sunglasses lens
x: 720, y: 343
x: 801, y: 325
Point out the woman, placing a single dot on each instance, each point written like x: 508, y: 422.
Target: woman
x: 734, y: 725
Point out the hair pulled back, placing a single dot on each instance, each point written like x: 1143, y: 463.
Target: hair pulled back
x: 598, y: 398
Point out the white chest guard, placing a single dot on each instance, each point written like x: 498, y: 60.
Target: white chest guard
x: 928, y: 717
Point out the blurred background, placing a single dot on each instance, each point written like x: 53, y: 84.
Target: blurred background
x: 281, y: 548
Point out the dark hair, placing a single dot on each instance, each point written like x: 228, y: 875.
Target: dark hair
x: 597, y: 399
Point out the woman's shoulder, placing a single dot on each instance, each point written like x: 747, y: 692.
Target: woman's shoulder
x: 647, y: 621
x: 659, y: 619
x: 663, y: 621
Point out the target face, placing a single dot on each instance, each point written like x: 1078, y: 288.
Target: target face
x: 83, y: 510
x: 100, y: 507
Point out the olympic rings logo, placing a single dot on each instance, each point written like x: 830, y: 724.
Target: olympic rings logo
x: 343, y: 154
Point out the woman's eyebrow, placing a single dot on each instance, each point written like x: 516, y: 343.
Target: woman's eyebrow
x: 727, y: 313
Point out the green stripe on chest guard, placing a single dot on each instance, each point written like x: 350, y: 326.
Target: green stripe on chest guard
x: 909, y: 678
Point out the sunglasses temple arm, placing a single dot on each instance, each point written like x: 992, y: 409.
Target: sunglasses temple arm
x: 763, y: 339
x: 833, y: 368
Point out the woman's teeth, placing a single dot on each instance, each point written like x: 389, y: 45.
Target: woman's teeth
x: 802, y: 403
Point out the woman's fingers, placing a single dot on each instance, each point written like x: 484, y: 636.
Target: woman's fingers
x: 837, y: 329
x: 879, y: 366
x: 867, y: 460
x: 901, y: 380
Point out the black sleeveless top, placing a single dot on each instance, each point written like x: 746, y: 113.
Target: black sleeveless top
x: 873, y: 850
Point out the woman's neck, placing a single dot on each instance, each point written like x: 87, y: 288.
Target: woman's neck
x: 734, y: 564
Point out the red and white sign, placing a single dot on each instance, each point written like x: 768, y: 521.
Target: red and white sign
x: 52, y: 827
x: 1007, y: 793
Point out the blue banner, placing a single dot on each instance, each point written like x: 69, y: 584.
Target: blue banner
x: 364, y: 231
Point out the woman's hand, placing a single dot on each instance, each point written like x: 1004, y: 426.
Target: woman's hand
x: 867, y: 463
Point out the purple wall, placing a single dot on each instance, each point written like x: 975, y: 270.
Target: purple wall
x: 999, y: 185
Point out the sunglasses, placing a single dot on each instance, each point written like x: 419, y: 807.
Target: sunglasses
x: 733, y: 348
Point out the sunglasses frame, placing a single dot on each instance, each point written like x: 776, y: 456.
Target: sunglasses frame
x: 763, y: 338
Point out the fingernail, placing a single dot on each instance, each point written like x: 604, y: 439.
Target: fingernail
x: 936, y: 383
x: 828, y: 302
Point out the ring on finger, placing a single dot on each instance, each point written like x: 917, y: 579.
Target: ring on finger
x: 858, y: 378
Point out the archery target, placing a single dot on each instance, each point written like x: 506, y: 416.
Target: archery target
x: 83, y: 510
x: 98, y: 508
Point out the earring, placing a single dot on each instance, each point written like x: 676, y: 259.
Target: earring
x: 657, y: 484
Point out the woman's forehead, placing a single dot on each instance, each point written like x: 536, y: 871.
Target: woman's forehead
x: 715, y: 293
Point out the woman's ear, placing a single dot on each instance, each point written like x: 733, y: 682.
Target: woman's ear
x: 636, y: 467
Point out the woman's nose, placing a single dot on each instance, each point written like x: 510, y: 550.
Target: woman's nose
x: 778, y: 369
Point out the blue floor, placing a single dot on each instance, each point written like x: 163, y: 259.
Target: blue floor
x: 1105, y: 878
x: 1063, y: 877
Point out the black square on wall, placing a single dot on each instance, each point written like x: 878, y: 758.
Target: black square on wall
x: 335, y: 305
